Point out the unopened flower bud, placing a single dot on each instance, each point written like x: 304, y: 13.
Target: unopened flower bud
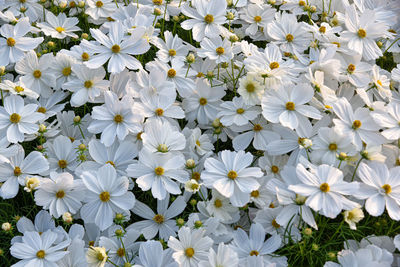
x: 307, y: 231
x: 62, y: 5
x: 42, y: 128
x: 216, y: 123
x: 67, y: 217
x: 230, y: 16
x: 190, y: 164
x: 31, y: 183
x: 85, y: 36
x: 119, y: 232
x: 190, y: 58
x: 51, y: 44
x: 175, y: 19
x: 2, y: 70
x: 193, y: 202
x: 6, y: 226
x: 77, y: 119
x: 313, y: 9
x: 82, y: 147
x: 233, y: 38
x: 180, y: 222
x: 198, y: 224
x: 157, y: 12
x: 81, y: 4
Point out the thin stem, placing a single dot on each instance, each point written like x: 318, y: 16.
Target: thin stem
x: 354, y: 173
x: 391, y: 44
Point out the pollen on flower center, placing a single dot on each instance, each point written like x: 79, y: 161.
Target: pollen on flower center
x: 88, y: 84
x: 220, y: 50
x: 104, y: 196
x: 118, y: 118
x: 19, y: 89
x: 356, y: 124
x: 159, y: 112
x: 85, y: 56
x: 115, y: 48
x: 172, y: 52
x: 289, y: 37
x: 250, y: 87
x: 17, y: 171
x: 99, y: 4
x: 189, y: 252
x: 41, y: 110
x: 332, y: 147
x: 196, y: 176
x: 159, y: 171
x: 218, y: 203
x: 274, y: 169
x: 41, y: 254
x: 171, y: 73
x: 203, y: 101
x: 275, y: 224
x: 322, y: 29
x: 257, y: 127
x: 302, y: 3
x: 257, y: 18
x: 255, y: 193
x: 66, y: 71
x: 324, y: 187
x: 111, y: 163
x: 362, y: 33
x: 351, y: 68
x: 158, y: 218
x: 121, y: 252
x: 274, y: 65
x: 198, y: 142
x: 379, y: 82
x: 60, y: 194
x: 37, y: 74
x: 62, y: 163
x: 60, y: 29
x: 240, y: 111
x: 232, y: 175
x: 209, y: 18
x: 387, y: 188
x: 10, y: 41
x: 15, y: 118
x: 254, y: 253
x: 290, y: 105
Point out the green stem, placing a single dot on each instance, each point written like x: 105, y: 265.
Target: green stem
x: 391, y: 44
x: 354, y: 173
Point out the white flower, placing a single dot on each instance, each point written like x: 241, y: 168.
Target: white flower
x: 100, y: 9
x: 231, y: 176
x: 251, y: 90
x: 287, y: 105
x: 114, y: 119
x: 39, y: 250
x: 389, y: 118
x: 106, y: 195
x: 172, y: 48
x: 13, y: 46
x: 18, y: 88
x: 96, y: 256
x: 381, y: 187
x: 206, y: 18
x: 216, y: 49
x: 191, y: 248
x: 59, y: 27
x: 192, y: 186
x: 220, y: 207
x: 324, y: 188
x: 237, y: 112
x: 61, y: 154
x: 157, y: 172
x: 353, y: 216
x: 60, y: 194
x: 225, y: 257
x: 150, y: 248
x: 17, y: 119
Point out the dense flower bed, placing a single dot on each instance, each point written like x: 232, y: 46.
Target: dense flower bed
x: 199, y: 133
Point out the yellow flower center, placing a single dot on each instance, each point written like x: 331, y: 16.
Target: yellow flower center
x: 379, y: 82
x: 66, y: 71
x: 220, y: 50
x: 159, y: 112
x: 324, y: 187
x: 302, y: 3
x: 232, y: 175
x: 159, y: 171
x: 88, y: 84
x: 198, y: 142
x: 171, y: 73
x: 60, y: 29
x: 158, y: 218
x: 60, y: 194
x: 250, y: 87
x: 218, y: 203
x: 62, y: 163
x: 289, y: 38
x: 189, y: 252
x: 362, y: 33
x: 104, y: 196
x: 356, y: 124
x: 274, y: 169
x: 322, y: 29
x: 19, y: 89
x: 115, y: 48
x: 275, y: 224
x: 290, y: 105
x: 274, y: 65
x: 157, y: 2
x: 110, y: 162
x: 17, y: 171
x: 194, y: 186
x: 15, y: 118
x: 41, y: 110
x: 172, y: 52
x: 199, y: 75
x: 121, y: 252
x: 255, y: 193
x: 162, y: 148
x: 118, y: 118
x: 139, y: 136
x: 37, y: 74
x: 203, y: 101
x: 351, y: 68
x: 10, y: 41
x: 196, y: 176
x: 387, y: 188
x: 254, y: 253
x: 85, y: 56
x: 332, y: 147
x: 99, y: 4
x: 41, y: 254
x: 209, y: 18
x: 257, y: 127
x: 257, y: 18
x: 240, y: 111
